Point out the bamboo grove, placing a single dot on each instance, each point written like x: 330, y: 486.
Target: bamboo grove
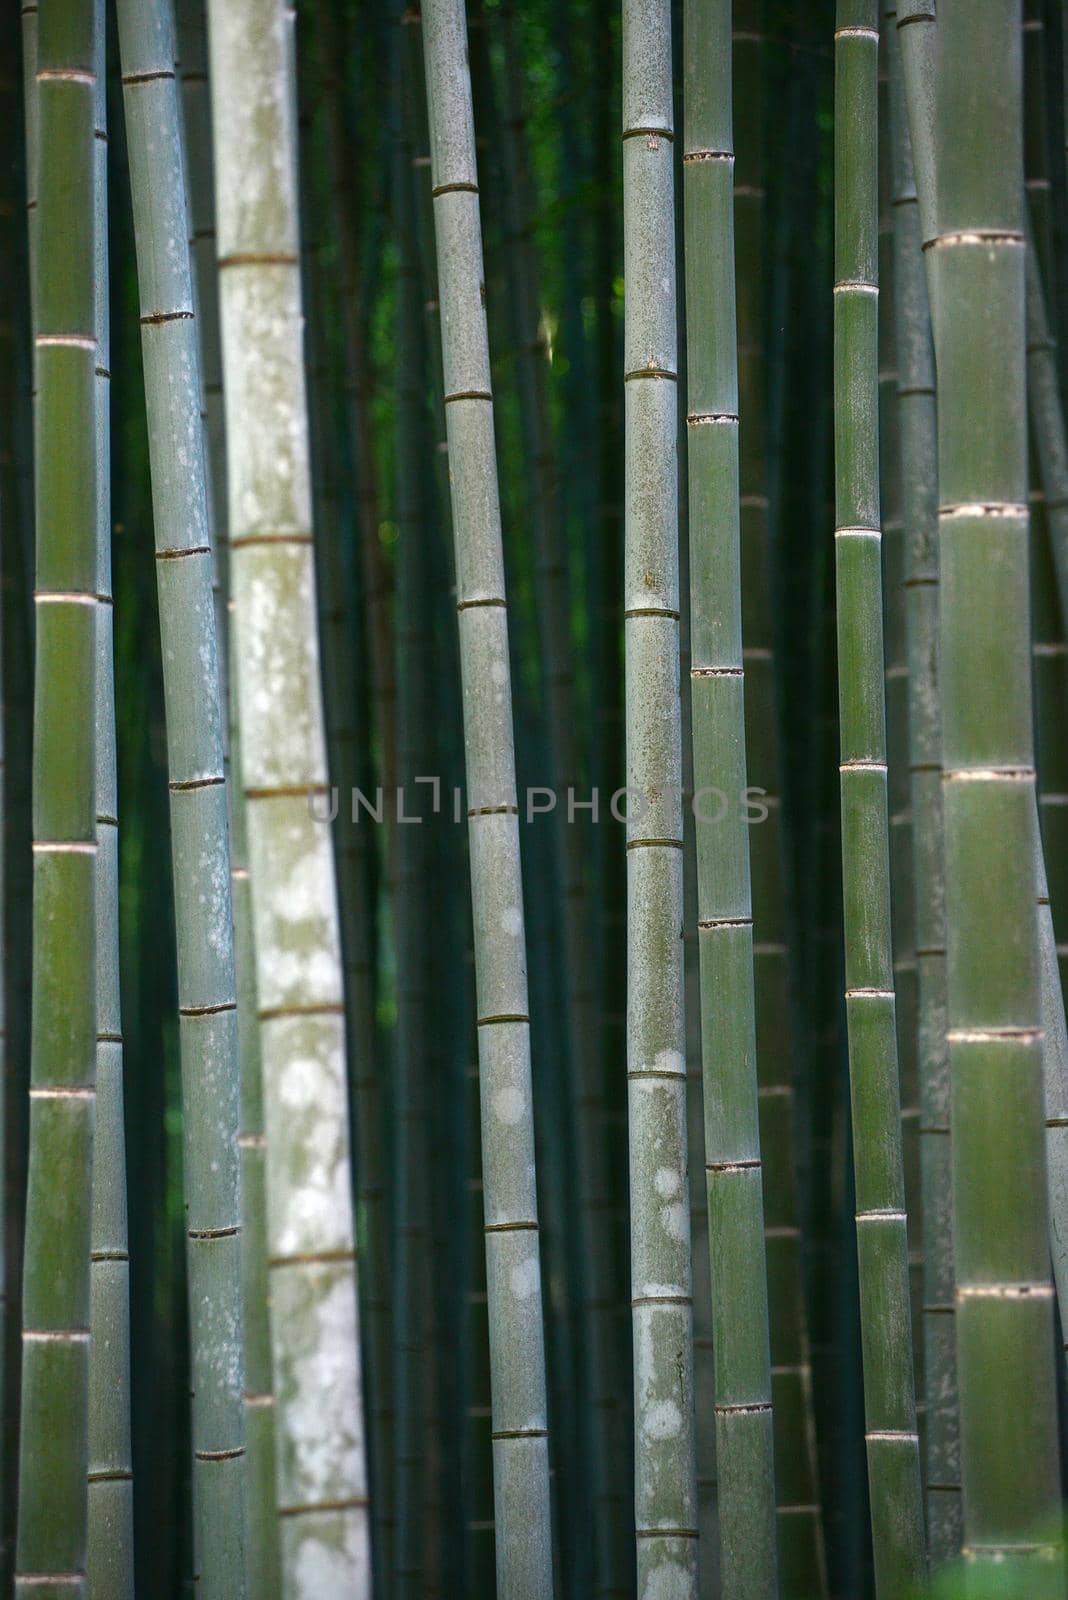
x: 534, y: 777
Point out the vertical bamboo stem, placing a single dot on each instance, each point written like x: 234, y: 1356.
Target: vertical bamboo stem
x: 53, y: 1460
x: 800, y: 1537
x: 743, y: 1410
x: 882, y: 1249
x: 109, y: 1563
x: 1003, y: 1295
x: 198, y: 807
x: 665, y: 1489
x: 321, y: 1475
x: 919, y: 490
x: 520, y: 1438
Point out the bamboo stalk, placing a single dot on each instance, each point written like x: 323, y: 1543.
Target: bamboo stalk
x: 743, y: 1409
x: 321, y: 1476
x: 53, y: 1459
x: 882, y: 1250
x: 1003, y: 1296
x: 198, y: 807
x: 110, y: 1551
x: 664, y: 1467
x: 919, y: 484
x: 413, y: 1324
x: 597, y: 1376
x: 802, y: 1563
x: 520, y: 1442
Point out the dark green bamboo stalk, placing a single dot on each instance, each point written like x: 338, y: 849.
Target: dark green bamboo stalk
x: 198, y: 807
x: 800, y: 1535
x: 746, y: 1477
x: 413, y: 1324
x: 109, y: 1567
x: 520, y: 1444
x: 919, y: 490
x: 1003, y: 1296
x: 597, y: 1379
x: 321, y: 1475
x: 52, y: 1517
x: 882, y: 1250
x: 896, y: 678
x: 376, y: 578
x: 664, y: 1467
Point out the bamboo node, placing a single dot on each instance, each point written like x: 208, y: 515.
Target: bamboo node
x: 976, y: 236
x: 705, y: 419
x: 1003, y: 1291
x: 708, y: 155
x: 856, y: 31
x: 133, y: 78
x: 858, y: 533
x: 66, y: 75
x: 453, y: 188
x: 1008, y: 509
x: 994, y: 1035
x: 72, y: 341
x: 892, y: 1435
x: 989, y: 774
x: 743, y: 1408
x: 855, y: 286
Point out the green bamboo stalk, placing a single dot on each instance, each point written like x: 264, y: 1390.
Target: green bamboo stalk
x: 354, y: 843
x: 597, y: 1378
x: 376, y: 577
x: 1049, y: 506
x: 10, y: 601
x: 743, y: 1410
x: 520, y: 1442
x: 109, y: 1561
x: 50, y: 1555
x: 1003, y: 1295
x: 664, y: 1468
x: 411, y: 1216
x: 896, y: 682
x: 321, y: 1475
x: 199, y: 830
x: 919, y: 490
x: 882, y: 1250
x: 802, y: 1564
x: 261, y: 1528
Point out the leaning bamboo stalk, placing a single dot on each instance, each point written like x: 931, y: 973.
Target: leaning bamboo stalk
x: 882, y: 1250
x: 1049, y: 511
x: 109, y: 1564
x: 743, y: 1410
x: 919, y: 489
x: 977, y: 253
x: 665, y: 1488
x: 520, y: 1436
x: 198, y: 808
x: 50, y: 1553
x: 321, y: 1474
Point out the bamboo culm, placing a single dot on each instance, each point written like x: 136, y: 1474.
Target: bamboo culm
x: 802, y: 1563
x: 321, y: 1470
x: 882, y: 1252
x: 261, y: 1526
x: 976, y: 258
x: 661, y: 1297
x: 198, y: 807
x: 513, y: 1272
x: 109, y: 1568
x: 734, y: 1175
x: 54, y: 1455
x: 917, y: 443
